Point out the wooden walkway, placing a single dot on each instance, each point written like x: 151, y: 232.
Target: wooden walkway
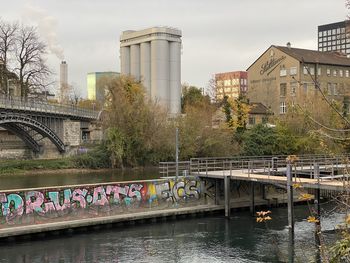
x: 326, y: 183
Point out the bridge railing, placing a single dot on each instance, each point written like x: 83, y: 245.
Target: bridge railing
x: 15, y: 103
x: 168, y: 169
x: 268, y: 165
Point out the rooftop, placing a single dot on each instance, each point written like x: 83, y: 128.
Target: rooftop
x: 314, y: 56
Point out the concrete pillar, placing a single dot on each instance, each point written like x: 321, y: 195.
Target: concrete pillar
x: 135, y: 61
x: 125, y: 60
x: 145, y: 66
x: 175, y: 77
x: 160, y: 71
x: 227, y: 180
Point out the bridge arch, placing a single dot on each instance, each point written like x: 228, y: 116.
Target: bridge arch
x: 15, y: 123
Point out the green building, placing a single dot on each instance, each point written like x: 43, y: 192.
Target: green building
x: 95, y: 82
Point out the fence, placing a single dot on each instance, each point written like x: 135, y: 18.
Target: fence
x: 15, y: 103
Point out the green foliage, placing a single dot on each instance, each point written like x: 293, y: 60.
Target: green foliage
x: 263, y: 140
x: 12, y: 166
x: 193, y: 97
x: 340, y: 251
x: 98, y: 157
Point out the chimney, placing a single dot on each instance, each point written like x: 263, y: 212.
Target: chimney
x: 289, y: 45
x: 63, y: 81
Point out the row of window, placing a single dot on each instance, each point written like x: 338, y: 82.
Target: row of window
x: 335, y: 48
x: 329, y: 72
x: 332, y: 88
x: 231, y: 82
x: 334, y: 42
x: 341, y: 39
x: 340, y: 30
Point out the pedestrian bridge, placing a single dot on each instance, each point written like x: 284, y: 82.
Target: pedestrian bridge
x: 33, y: 120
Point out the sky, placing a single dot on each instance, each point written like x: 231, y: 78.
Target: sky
x: 217, y: 36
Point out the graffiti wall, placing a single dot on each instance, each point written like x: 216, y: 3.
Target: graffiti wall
x: 50, y: 205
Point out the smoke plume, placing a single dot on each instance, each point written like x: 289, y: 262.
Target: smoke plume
x: 47, y: 28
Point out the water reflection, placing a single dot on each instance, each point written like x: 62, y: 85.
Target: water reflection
x: 207, y: 239
x: 33, y: 180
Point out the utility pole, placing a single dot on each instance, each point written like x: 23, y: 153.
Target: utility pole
x: 177, y: 152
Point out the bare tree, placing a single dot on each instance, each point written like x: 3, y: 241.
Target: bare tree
x: 30, y: 66
x: 7, y: 43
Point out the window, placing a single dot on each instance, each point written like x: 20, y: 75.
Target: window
x: 335, y: 89
x: 347, y: 73
x: 340, y: 73
x: 329, y: 88
x: 293, y: 71
x: 283, y: 89
x: 305, y: 70
x: 283, y: 72
x: 319, y: 71
x: 312, y: 70
x: 251, y: 120
x: 293, y: 88
x: 335, y: 73
x: 227, y: 82
x: 283, y: 107
x: 328, y: 72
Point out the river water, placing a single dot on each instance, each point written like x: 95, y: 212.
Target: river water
x: 203, y: 239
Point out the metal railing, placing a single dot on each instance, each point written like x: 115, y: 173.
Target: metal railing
x: 33, y: 105
x: 268, y: 165
x: 168, y: 169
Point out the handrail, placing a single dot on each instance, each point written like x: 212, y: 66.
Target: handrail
x: 15, y: 103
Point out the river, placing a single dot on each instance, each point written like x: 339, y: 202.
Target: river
x: 210, y: 238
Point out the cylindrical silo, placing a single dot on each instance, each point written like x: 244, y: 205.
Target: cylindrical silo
x: 145, y: 66
x: 135, y: 61
x: 175, y: 77
x: 125, y: 60
x: 160, y: 71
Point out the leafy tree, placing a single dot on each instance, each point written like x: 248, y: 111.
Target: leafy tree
x: 193, y: 97
x: 263, y: 140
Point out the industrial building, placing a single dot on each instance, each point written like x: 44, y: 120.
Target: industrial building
x: 231, y: 84
x: 96, y: 84
x: 153, y: 56
x: 284, y: 76
x: 334, y: 37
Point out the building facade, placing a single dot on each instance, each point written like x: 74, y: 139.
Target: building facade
x: 96, y: 84
x: 231, y: 84
x: 153, y: 56
x: 283, y: 76
x: 334, y: 37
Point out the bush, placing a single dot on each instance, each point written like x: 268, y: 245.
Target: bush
x: 99, y: 157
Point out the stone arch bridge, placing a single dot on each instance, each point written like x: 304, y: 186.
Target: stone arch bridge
x: 34, y: 121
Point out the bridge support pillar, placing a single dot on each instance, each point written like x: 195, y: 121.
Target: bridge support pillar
x: 227, y: 180
x: 252, y: 198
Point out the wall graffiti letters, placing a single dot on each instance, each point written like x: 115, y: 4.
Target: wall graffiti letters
x: 61, y: 202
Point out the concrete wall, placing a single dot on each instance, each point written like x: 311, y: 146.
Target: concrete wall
x: 35, y: 206
x: 57, y: 204
x: 71, y: 133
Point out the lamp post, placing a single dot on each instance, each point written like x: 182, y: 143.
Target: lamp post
x: 177, y: 152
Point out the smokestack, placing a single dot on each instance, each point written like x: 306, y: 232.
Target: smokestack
x: 63, y: 81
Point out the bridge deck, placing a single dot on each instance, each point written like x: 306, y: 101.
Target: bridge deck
x: 326, y: 184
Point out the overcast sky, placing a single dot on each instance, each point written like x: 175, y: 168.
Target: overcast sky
x: 218, y: 36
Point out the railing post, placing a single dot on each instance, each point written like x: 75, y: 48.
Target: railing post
x: 290, y: 213
x: 227, y: 180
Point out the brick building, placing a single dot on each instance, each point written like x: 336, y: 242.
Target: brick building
x: 231, y: 84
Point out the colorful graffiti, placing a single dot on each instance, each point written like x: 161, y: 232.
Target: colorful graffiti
x: 123, y: 195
